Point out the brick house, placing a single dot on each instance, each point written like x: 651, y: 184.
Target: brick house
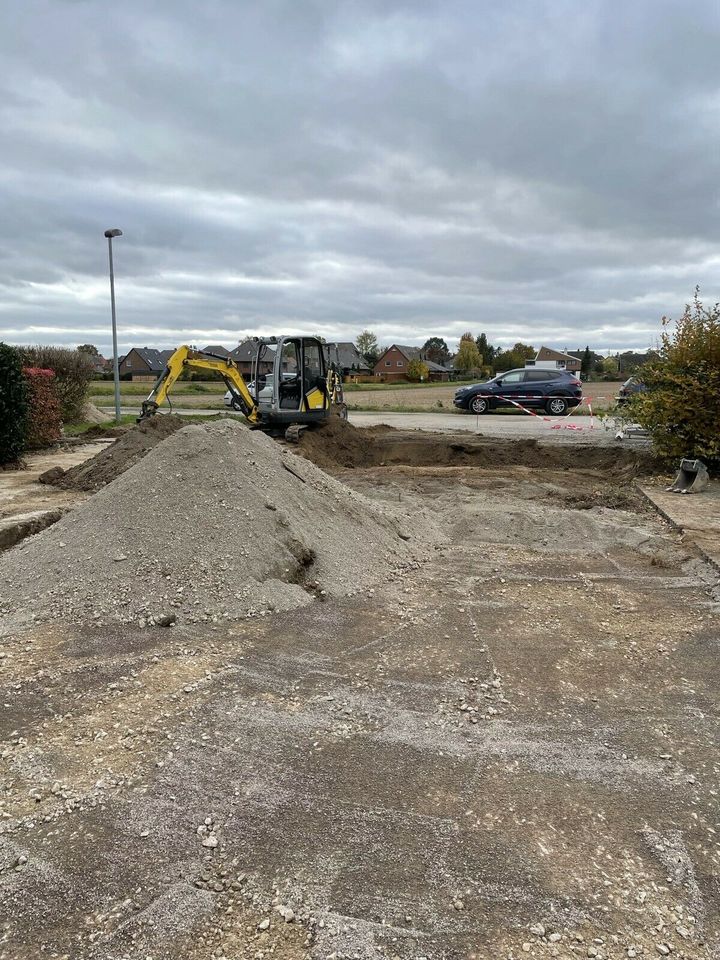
x: 143, y: 363
x: 566, y: 359
x: 393, y: 364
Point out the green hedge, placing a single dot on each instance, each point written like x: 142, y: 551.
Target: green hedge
x: 13, y: 405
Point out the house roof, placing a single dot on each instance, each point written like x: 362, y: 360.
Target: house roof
x: 247, y: 349
x: 218, y: 349
x: 410, y: 353
x: 557, y: 353
x: 155, y: 359
x: 349, y: 356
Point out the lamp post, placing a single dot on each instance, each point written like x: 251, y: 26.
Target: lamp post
x: 116, y: 367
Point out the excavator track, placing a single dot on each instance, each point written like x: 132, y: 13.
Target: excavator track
x: 294, y: 432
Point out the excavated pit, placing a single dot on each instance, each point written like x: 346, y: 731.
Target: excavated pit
x: 338, y: 444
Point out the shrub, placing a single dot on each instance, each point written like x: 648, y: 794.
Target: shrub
x: 681, y: 407
x: 44, y: 423
x: 417, y: 370
x: 73, y: 373
x: 13, y: 405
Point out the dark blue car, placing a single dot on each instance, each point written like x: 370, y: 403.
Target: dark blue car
x: 553, y: 390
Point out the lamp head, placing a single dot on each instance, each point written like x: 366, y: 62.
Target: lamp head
x: 113, y: 233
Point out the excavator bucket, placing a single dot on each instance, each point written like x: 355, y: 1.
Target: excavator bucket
x: 692, y: 477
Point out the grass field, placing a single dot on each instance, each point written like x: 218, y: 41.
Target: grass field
x: 397, y: 398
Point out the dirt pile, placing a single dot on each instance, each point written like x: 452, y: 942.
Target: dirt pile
x: 91, y: 414
x: 114, y: 460
x: 217, y: 522
x: 339, y: 444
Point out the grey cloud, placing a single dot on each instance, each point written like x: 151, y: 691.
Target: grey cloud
x: 544, y: 170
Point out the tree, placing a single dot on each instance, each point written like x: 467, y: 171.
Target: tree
x: 610, y: 366
x: 436, y: 350
x: 515, y: 357
x: 367, y: 346
x: 468, y: 356
x: 417, y: 370
x: 487, y: 353
x: 586, y: 362
x: 681, y: 406
x: 90, y: 349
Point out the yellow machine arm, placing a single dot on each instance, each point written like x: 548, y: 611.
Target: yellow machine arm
x: 185, y: 358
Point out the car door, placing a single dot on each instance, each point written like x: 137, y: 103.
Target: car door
x: 538, y: 383
x: 511, y: 386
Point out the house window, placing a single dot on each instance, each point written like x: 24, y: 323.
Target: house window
x: 399, y: 363
x: 388, y: 363
x: 128, y: 362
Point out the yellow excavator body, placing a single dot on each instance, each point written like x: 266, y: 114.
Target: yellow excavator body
x: 303, y: 387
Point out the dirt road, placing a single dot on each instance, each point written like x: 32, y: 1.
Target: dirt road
x: 511, y: 751
x: 571, y: 429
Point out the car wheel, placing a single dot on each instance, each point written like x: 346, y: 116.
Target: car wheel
x: 557, y: 406
x: 235, y: 404
x: 479, y: 404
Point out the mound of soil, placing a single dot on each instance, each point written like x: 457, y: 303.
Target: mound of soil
x: 91, y: 414
x: 132, y: 445
x: 339, y: 444
x: 217, y: 522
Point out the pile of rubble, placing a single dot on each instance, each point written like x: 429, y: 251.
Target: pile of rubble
x: 216, y: 522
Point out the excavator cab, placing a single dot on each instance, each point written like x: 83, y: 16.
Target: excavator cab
x: 294, y: 382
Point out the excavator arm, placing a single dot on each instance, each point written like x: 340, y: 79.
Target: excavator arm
x: 185, y: 358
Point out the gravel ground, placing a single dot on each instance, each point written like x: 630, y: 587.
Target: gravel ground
x: 510, y: 751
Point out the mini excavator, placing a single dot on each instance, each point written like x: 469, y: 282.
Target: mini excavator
x: 295, y: 383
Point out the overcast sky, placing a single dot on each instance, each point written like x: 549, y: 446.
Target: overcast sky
x: 544, y: 171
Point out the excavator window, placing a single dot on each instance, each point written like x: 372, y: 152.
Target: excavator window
x: 289, y: 394
x: 313, y: 366
x: 313, y: 381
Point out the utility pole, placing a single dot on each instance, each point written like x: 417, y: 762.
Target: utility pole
x: 116, y: 366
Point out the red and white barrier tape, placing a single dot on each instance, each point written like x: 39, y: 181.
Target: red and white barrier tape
x: 553, y: 420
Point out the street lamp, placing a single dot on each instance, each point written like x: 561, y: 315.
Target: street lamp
x: 116, y: 367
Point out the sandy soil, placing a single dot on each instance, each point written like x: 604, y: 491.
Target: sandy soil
x: 19, y: 490
x: 512, y: 751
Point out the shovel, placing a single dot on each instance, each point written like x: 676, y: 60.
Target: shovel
x: 692, y: 477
